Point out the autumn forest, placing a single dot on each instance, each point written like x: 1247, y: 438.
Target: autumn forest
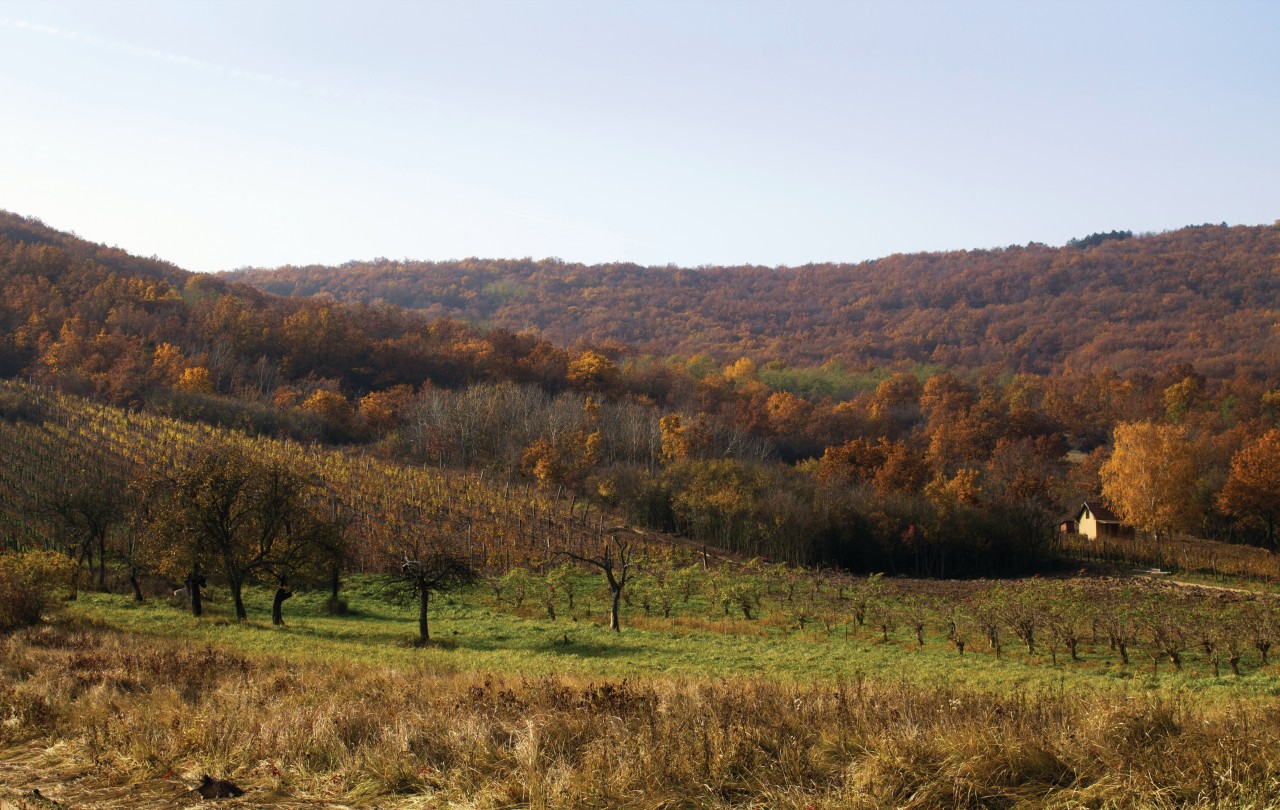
x: 966, y: 402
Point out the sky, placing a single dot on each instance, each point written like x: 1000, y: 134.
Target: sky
x: 219, y: 135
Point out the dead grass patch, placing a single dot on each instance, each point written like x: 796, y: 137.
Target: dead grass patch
x: 95, y: 718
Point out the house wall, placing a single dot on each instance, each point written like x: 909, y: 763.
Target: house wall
x: 1089, y: 526
x: 1113, y: 529
x: 1093, y: 528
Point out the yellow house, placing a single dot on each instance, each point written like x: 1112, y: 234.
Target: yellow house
x: 1095, y: 520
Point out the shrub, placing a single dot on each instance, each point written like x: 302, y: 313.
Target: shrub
x: 31, y: 582
x: 17, y: 406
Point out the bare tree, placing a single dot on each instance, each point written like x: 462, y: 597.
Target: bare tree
x: 432, y: 569
x: 615, y: 561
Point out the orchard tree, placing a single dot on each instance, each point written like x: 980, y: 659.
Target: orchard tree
x: 1252, y: 489
x: 1117, y: 615
x: 916, y: 611
x: 958, y: 624
x: 242, y: 515
x: 518, y: 584
x: 318, y: 555
x: 431, y: 567
x: 1150, y: 478
x: 1024, y: 610
x: 615, y: 561
x: 85, y: 507
x: 560, y: 581
x: 132, y: 548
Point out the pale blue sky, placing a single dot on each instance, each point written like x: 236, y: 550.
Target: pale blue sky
x: 224, y: 134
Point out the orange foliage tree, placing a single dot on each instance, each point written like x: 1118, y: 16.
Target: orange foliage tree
x: 1150, y: 478
x: 1252, y: 489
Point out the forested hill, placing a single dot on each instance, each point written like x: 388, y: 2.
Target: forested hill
x: 16, y: 229
x: 1206, y: 295
x: 97, y: 321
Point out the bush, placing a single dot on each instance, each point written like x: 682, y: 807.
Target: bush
x: 18, y: 406
x: 31, y: 582
x: 255, y: 418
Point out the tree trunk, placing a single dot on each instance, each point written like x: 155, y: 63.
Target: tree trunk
x: 614, y: 624
x: 277, y: 604
x: 137, y: 590
x: 237, y: 596
x: 424, y: 633
x: 102, y: 562
x: 193, y: 591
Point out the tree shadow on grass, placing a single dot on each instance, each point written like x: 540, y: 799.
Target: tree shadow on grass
x: 434, y: 643
x: 566, y: 644
x: 561, y: 645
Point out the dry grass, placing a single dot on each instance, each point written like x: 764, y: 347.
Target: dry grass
x: 1180, y: 554
x: 96, y: 719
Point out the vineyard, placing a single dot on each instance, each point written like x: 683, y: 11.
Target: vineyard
x: 1177, y: 553
x: 494, y: 525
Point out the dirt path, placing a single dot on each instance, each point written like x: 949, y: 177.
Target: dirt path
x: 1184, y: 584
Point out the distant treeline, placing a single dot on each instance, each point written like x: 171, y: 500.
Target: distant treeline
x: 1095, y: 239
x: 1202, y: 295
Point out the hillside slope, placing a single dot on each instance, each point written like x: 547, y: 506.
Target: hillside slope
x: 97, y: 320
x: 1207, y: 295
x: 33, y: 233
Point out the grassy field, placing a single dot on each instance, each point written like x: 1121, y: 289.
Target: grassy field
x: 124, y: 705
x: 474, y: 632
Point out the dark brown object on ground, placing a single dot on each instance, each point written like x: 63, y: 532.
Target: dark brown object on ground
x: 211, y: 788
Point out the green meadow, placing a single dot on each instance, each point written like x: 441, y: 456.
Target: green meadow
x: 473, y: 632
